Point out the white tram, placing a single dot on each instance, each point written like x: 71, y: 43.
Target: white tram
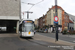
x: 26, y: 28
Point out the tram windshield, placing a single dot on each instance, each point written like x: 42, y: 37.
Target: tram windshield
x: 28, y: 27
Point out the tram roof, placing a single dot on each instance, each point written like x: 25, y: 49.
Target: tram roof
x: 25, y: 19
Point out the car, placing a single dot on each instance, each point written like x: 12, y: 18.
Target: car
x: 41, y: 31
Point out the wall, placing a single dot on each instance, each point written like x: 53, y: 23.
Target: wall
x: 71, y: 25
x: 51, y: 14
x: 10, y: 9
x: 36, y: 22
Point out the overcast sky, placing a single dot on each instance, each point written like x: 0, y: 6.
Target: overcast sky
x: 41, y: 8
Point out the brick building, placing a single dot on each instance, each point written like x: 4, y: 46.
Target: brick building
x: 40, y: 22
x: 44, y: 20
x: 36, y: 22
x: 65, y: 21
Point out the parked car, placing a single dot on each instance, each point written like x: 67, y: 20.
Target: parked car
x: 42, y: 31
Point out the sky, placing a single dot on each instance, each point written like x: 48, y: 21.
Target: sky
x: 42, y: 7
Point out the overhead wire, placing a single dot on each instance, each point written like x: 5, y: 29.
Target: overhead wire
x: 35, y: 4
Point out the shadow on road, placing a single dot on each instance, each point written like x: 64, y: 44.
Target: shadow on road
x: 26, y: 38
x: 7, y: 33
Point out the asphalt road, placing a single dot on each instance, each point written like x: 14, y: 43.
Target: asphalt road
x: 61, y: 37
x: 13, y: 42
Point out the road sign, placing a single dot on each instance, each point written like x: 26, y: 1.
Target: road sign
x: 55, y: 22
x: 56, y: 19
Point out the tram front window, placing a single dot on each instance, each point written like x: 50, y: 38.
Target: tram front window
x: 28, y: 27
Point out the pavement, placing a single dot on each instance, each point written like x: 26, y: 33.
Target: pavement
x: 52, y: 40
x: 38, y: 42
x: 66, y: 38
x: 72, y: 36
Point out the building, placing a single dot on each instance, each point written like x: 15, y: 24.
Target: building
x: 44, y: 20
x: 72, y: 21
x: 51, y: 15
x: 40, y: 22
x: 71, y: 25
x: 36, y: 22
x: 65, y: 21
x: 10, y: 14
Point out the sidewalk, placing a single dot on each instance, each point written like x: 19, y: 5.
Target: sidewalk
x: 52, y: 40
x: 72, y: 36
x: 8, y: 35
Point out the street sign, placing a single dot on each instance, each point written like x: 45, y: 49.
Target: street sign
x: 55, y: 22
x: 56, y: 19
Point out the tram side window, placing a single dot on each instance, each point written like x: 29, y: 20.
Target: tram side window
x: 20, y: 27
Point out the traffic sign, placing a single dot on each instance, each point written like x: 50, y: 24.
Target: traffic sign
x: 56, y: 19
x: 55, y: 22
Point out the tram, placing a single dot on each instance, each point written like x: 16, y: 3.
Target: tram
x: 26, y: 28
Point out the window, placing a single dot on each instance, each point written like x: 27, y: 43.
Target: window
x: 53, y: 14
x: 27, y: 27
x: 53, y: 10
x: 43, y: 24
x: 70, y: 28
x: 43, y: 19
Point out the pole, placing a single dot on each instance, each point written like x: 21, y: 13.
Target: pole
x: 20, y: 9
x: 57, y: 23
x: 27, y: 15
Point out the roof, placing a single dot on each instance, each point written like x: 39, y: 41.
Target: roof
x: 71, y: 17
x: 53, y: 7
x: 70, y: 21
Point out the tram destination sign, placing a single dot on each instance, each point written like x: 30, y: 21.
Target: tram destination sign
x: 28, y: 21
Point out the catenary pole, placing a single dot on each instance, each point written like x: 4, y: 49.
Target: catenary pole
x: 56, y: 25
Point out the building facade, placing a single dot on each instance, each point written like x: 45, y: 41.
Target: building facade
x: 44, y: 20
x: 72, y: 22
x: 36, y: 22
x: 51, y: 15
x: 10, y: 13
x: 40, y: 22
x: 65, y: 21
x: 71, y: 25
